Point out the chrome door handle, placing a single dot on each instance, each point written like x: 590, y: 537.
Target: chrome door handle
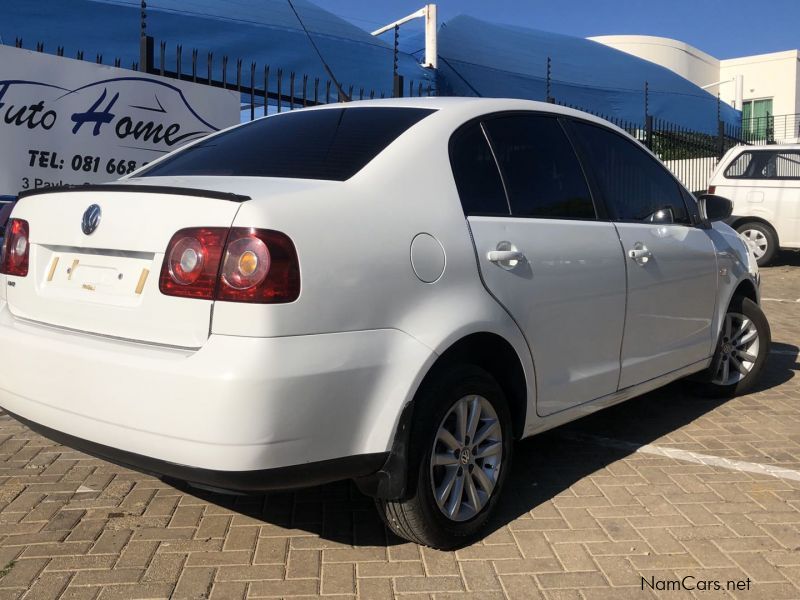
x: 506, y: 256
x: 640, y: 254
x: 497, y: 256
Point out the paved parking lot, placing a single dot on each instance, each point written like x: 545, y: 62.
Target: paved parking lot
x: 664, y: 488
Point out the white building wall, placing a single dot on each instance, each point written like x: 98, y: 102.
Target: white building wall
x: 765, y: 76
x: 775, y: 75
x: 685, y: 60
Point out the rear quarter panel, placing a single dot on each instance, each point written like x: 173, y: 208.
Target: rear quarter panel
x: 354, y: 241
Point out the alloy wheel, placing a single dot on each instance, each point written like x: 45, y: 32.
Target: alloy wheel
x: 466, y: 458
x: 738, y: 350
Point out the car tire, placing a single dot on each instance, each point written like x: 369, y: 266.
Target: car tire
x: 763, y: 239
x: 448, y: 398
x: 745, y: 333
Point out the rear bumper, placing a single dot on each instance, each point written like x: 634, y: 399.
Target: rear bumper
x: 281, y: 478
x: 227, y: 415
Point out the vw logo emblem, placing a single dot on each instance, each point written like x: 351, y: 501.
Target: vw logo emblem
x: 91, y: 219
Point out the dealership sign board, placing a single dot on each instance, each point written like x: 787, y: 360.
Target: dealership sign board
x: 65, y: 121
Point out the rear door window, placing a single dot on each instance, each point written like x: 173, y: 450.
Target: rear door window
x: 634, y: 185
x: 331, y: 143
x: 740, y: 167
x: 765, y: 164
x: 475, y: 171
x: 541, y: 171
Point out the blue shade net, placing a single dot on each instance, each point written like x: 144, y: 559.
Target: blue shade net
x: 267, y: 32
x: 476, y: 58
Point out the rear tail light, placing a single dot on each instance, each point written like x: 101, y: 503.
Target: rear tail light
x: 247, y: 262
x: 236, y: 265
x: 260, y: 266
x: 191, y: 263
x: 712, y: 189
x: 15, y: 254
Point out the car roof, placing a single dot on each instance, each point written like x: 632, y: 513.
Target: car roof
x: 771, y: 147
x: 462, y: 109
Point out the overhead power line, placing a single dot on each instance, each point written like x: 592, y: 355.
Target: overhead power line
x: 324, y: 64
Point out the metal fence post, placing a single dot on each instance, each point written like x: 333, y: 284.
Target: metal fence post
x: 397, y: 90
x: 720, y: 139
x: 396, y: 53
x: 648, y: 131
x: 145, y: 42
x: 280, y: 88
x: 253, y: 91
x: 146, y: 54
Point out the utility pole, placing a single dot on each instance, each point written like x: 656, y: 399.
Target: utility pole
x: 427, y: 12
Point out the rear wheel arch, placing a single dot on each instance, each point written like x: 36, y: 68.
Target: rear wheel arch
x: 489, y: 352
x: 495, y: 355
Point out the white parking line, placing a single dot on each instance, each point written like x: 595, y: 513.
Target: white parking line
x: 693, y: 457
x: 780, y: 300
x: 786, y: 352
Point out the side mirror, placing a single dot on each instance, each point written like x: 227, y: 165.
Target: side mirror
x: 714, y: 208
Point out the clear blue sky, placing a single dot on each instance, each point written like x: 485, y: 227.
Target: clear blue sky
x: 723, y: 28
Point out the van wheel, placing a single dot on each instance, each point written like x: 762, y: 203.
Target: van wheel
x: 741, y: 351
x: 762, y: 239
x: 460, y: 455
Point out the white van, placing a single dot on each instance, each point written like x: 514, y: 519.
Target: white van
x: 763, y: 182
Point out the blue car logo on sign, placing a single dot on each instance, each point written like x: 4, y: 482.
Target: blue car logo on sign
x: 91, y: 219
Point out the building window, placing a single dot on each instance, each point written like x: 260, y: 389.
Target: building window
x: 758, y: 120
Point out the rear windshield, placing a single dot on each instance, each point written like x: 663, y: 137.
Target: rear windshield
x: 333, y: 143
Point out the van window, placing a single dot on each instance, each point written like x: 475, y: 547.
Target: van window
x: 475, y: 171
x: 739, y: 166
x: 765, y: 164
x: 785, y: 165
x: 330, y: 143
x: 634, y: 185
x: 541, y: 172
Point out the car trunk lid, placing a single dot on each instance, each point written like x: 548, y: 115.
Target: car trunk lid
x: 106, y: 282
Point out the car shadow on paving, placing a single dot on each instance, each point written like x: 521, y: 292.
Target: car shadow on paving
x: 544, y: 466
x: 786, y: 258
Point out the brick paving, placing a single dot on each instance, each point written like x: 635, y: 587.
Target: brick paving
x: 584, y: 518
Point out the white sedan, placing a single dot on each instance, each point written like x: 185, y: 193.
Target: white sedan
x: 388, y: 291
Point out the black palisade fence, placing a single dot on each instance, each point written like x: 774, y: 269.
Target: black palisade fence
x: 691, y: 155
x: 79, y: 55
x: 259, y: 85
